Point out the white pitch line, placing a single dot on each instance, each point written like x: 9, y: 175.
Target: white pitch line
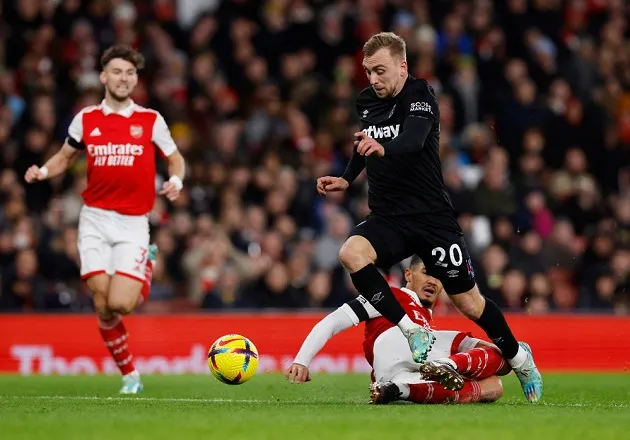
x: 147, y: 399
x: 572, y: 405
x: 221, y: 400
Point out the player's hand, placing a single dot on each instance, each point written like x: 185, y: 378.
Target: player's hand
x: 170, y: 191
x: 298, y: 373
x: 34, y: 174
x: 328, y: 184
x: 367, y: 146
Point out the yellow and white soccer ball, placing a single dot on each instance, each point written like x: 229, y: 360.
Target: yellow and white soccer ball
x: 233, y: 359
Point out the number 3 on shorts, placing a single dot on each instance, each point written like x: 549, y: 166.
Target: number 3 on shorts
x: 143, y: 256
x: 454, y: 252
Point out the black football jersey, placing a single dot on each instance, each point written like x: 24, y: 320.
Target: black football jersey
x: 409, y: 183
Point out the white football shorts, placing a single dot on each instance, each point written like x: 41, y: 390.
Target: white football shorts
x: 392, y: 357
x: 113, y: 243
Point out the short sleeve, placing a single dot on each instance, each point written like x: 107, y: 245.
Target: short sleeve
x: 75, y: 132
x: 162, y: 136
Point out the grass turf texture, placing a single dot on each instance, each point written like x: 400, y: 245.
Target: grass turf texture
x: 331, y: 406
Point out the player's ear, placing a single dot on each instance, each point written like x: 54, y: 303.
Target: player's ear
x: 103, y: 77
x: 404, y: 67
x: 407, y: 275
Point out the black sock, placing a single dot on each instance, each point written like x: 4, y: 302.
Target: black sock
x: 373, y: 287
x: 496, y: 327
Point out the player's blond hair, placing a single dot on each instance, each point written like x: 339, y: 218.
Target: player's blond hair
x: 386, y: 40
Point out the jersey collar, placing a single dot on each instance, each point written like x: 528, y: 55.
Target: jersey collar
x: 126, y: 112
x: 414, y: 295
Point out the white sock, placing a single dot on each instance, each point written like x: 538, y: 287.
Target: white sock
x: 448, y: 362
x: 407, y: 324
x: 519, y: 360
x: 404, y: 389
x: 133, y: 374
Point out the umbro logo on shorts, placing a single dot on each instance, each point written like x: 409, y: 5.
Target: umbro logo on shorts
x: 377, y: 298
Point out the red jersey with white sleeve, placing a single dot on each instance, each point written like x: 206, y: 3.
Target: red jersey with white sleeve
x: 120, y: 152
x: 375, y: 325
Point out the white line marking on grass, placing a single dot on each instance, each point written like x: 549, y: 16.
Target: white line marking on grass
x: 570, y: 405
x: 148, y: 399
x: 588, y: 405
x: 222, y: 400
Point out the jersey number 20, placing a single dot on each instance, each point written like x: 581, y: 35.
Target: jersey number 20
x: 455, y: 253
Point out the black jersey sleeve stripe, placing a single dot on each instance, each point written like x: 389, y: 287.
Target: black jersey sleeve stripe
x: 78, y: 145
x: 357, y: 307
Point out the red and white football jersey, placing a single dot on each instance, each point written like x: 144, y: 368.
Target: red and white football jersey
x: 375, y: 324
x: 120, y: 152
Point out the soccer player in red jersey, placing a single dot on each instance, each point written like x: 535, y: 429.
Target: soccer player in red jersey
x: 460, y: 368
x: 119, y: 139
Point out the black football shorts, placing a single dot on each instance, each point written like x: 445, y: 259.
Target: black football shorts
x: 438, y: 240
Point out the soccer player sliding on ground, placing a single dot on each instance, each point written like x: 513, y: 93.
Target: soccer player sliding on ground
x: 119, y: 138
x: 411, y: 212
x: 461, y: 369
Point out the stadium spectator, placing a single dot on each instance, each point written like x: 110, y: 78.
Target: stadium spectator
x: 535, y: 143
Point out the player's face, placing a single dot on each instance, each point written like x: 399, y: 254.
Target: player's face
x: 427, y: 287
x: 119, y: 78
x: 387, y: 73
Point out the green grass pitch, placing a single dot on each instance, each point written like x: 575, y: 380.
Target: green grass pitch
x: 575, y: 406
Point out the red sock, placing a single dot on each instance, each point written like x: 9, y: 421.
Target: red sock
x: 479, y: 363
x: 146, y: 287
x: 115, y: 336
x: 433, y: 392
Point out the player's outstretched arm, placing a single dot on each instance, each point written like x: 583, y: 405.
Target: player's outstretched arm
x: 354, y: 167
x: 176, y: 165
x: 55, y: 166
x: 323, y: 331
x: 328, y: 184
x: 176, y: 171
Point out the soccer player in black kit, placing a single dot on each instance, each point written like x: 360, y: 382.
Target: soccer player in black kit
x: 411, y: 212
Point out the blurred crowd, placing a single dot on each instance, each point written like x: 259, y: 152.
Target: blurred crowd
x: 259, y: 96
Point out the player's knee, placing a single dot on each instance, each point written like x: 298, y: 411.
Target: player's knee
x: 356, y: 253
x: 491, y: 389
x: 122, y: 305
x: 124, y: 293
x: 100, y: 305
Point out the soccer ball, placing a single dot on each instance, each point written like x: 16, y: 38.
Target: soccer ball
x: 233, y: 359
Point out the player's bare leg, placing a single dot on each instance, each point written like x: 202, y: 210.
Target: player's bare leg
x: 491, y: 389
x: 489, y: 317
x: 115, y: 297
x: 122, y: 298
x: 99, y: 286
x: 358, y: 257
x: 124, y: 293
x: 113, y: 332
x: 486, y: 390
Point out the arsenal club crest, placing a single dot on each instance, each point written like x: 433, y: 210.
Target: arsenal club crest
x: 136, y: 131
